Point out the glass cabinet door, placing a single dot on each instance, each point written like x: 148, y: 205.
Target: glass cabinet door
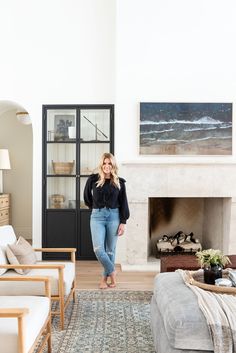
x: 61, y: 125
x: 61, y: 193
x: 61, y: 159
x: 95, y: 125
x: 94, y: 138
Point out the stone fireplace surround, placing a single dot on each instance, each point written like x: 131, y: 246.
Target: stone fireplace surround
x: 182, y: 180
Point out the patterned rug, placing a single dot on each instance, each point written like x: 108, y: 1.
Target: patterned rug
x: 106, y: 322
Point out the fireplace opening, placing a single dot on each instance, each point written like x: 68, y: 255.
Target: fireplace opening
x: 205, y: 221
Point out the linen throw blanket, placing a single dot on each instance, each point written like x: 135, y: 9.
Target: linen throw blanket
x: 220, y: 313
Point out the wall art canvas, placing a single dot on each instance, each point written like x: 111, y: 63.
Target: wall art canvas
x: 186, y: 128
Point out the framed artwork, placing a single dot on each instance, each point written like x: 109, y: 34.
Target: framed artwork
x: 186, y: 128
x: 62, y: 122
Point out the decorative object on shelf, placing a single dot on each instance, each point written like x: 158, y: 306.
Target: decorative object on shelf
x: 61, y: 126
x: 63, y: 167
x: 97, y: 130
x: 72, y: 132
x: 51, y: 135
x: 24, y: 118
x: 186, y: 128
x: 57, y: 201
x: 180, y: 242
x: 88, y: 171
x: 212, y: 261
x: 72, y: 204
x: 4, y: 164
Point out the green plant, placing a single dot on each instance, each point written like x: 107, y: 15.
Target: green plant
x: 211, y: 257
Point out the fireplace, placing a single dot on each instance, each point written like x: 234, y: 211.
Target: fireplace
x: 194, y: 197
x: 207, y: 218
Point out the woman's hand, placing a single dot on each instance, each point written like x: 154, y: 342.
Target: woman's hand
x: 121, y: 229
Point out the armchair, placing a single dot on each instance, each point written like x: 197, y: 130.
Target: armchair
x: 61, y: 273
x: 24, y: 320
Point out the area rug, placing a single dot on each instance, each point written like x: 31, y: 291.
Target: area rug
x: 106, y: 322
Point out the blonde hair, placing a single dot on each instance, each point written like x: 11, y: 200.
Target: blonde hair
x: 114, y: 170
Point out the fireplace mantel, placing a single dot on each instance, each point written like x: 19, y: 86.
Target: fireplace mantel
x: 146, y: 179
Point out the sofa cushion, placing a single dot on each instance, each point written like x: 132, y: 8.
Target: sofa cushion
x: 3, y: 261
x: 37, y: 288
x: 38, y: 312
x: 7, y: 236
x: 21, y: 252
x: 185, y: 325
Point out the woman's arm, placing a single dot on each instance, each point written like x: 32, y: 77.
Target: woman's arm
x: 124, y: 207
x: 88, y: 197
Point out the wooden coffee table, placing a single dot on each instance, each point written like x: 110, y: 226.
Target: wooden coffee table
x: 171, y: 263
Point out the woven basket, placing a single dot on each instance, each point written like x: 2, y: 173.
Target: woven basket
x: 63, y: 167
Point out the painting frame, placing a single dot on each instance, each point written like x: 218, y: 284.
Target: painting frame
x: 61, y: 124
x: 186, y: 129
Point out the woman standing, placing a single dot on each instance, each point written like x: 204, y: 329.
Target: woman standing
x: 105, y: 194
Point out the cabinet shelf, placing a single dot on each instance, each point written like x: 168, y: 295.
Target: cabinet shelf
x: 61, y: 175
x: 80, y: 141
x: 95, y: 141
x: 67, y: 141
x: 74, y: 138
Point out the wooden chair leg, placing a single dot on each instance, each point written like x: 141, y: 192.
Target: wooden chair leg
x: 61, y: 298
x: 21, y: 336
x: 50, y: 335
x: 74, y: 294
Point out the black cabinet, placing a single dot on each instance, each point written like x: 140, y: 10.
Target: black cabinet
x: 74, y: 138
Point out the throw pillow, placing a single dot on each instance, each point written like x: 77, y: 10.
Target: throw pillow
x: 3, y: 261
x: 21, y: 253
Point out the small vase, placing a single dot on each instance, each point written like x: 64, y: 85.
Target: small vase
x: 211, y: 273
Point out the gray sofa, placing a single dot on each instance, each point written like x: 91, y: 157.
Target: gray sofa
x: 178, y: 325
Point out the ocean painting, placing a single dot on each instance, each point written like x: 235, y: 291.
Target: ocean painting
x: 186, y: 128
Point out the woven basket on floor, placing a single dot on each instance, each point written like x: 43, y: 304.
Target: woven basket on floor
x: 63, y: 167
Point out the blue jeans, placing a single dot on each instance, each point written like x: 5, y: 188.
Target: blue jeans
x: 104, y: 223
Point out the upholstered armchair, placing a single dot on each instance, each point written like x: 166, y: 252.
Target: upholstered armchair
x: 61, y: 273
x: 25, y: 321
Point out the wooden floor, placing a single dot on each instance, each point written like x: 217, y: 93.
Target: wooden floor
x: 89, y: 274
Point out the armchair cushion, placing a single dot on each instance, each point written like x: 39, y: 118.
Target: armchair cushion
x: 39, y: 308
x: 3, y: 261
x: 37, y: 288
x: 21, y: 252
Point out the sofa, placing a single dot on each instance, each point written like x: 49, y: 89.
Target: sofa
x: 25, y: 321
x: 178, y: 325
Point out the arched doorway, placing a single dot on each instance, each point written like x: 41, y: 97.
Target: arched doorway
x: 16, y: 136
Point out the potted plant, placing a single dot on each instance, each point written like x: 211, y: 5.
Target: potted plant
x: 212, y: 261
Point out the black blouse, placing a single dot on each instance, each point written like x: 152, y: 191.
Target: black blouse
x: 108, y: 196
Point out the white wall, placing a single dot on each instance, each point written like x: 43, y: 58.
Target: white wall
x: 171, y: 51
x: 55, y: 52
x: 122, y: 52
